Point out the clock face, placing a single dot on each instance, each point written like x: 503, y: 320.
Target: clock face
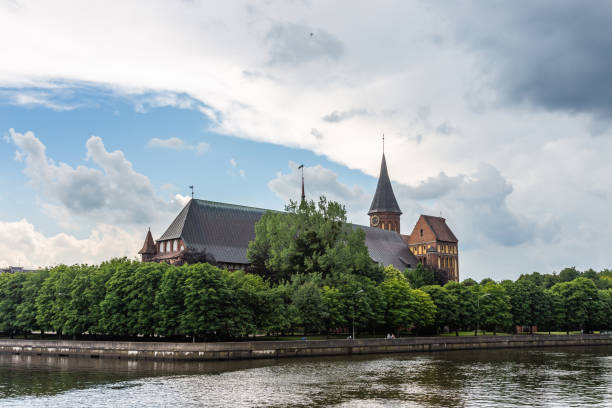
x: 375, y: 220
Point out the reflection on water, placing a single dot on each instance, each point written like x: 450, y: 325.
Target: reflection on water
x: 500, y: 378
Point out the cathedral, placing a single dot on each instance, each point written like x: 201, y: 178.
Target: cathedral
x: 223, y: 231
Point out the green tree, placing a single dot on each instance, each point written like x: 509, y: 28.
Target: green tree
x: 568, y: 274
x: 578, y: 302
x: 120, y: 306
x: 308, y: 302
x: 446, y: 307
x: 170, y: 301
x: 466, y: 305
x: 309, y: 238
x: 526, y: 300
x: 405, y: 307
x: 11, y: 286
x: 207, y: 300
x: 424, y: 307
x: 52, y: 302
x: 495, y: 308
x: 333, y: 308
x: 26, y: 310
x: 420, y: 276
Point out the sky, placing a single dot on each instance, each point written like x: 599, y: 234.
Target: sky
x: 495, y: 114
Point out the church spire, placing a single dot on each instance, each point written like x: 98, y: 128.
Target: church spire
x: 384, y: 199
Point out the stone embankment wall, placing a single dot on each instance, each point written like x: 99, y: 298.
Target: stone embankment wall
x: 277, y: 349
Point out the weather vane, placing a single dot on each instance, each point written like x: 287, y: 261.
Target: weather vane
x: 191, y: 187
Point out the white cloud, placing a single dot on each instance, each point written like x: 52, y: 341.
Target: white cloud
x: 182, y: 200
x: 22, y: 245
x: 116, y: 193
x: 175, y: 143
x: 171, y: 143
x: 35, y: 98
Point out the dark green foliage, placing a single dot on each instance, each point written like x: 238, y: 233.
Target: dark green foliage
x: 420, y: 276
x: 495, y: 310
x: 466, y: 305
x: 309, y: 238
x: 446, y: 307
x: 579, y: 299
x: 207, y: 300
x: 11, y: 291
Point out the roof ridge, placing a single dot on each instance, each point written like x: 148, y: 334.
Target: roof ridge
x: 238, y: 206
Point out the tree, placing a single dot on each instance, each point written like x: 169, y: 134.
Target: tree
x: 309, y: 238
x: 526, y: 300
x: 333, y: 308
x: 578, y: 303
x: 26, y: 310
x: 495, y: 308
x: 466, y: 305
x: 446, y: 307
x: 405, y: 307
x: 170, y: 301
x: 308, y: 302
x: 11, y: 285
x: 420, y: 276
x: 53, y: 299
x: 568, y: 274
x: 119, y: 308
x: 207, y: 300
x: 425, y: 309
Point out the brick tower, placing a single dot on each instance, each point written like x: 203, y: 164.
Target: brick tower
x: 384, y: 212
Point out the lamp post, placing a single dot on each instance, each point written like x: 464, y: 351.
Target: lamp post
x: 355, y: 294
x: 478, y: 310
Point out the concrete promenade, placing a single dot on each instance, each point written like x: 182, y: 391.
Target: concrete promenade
x: 278, y: 349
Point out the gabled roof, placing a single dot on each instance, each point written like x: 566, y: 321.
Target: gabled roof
x: 384, y: 199
x: 439, y: 228
x: 223, y: 231
x: 149, y: 245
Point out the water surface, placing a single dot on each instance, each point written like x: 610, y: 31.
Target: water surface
x: 559, y: 377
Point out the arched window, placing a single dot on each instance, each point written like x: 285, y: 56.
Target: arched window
x: 162, y: 247
x: 174, y: 245
x: 421, y: 231
x: 383, y: 225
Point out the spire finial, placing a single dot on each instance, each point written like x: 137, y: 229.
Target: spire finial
x: 191, y: 187
x: 303, y: 195
x: 383, y: 143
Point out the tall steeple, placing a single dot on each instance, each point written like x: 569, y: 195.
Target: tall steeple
x: 384, y: 212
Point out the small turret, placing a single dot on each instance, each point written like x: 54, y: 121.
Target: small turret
x: 148, y: 250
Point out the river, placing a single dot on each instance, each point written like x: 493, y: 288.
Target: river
x: 546, y: 377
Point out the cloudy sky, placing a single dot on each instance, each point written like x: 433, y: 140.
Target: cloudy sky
x: 496, y: 115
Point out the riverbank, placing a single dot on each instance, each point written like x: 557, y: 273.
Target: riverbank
x: 279, y: 349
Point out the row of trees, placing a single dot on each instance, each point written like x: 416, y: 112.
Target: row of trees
x: 310, y: 272
x: 123, y: 298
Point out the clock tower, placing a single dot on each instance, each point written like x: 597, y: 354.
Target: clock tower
x: 384, y: 212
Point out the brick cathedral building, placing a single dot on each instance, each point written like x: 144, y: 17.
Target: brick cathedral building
x: 223, y: 231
